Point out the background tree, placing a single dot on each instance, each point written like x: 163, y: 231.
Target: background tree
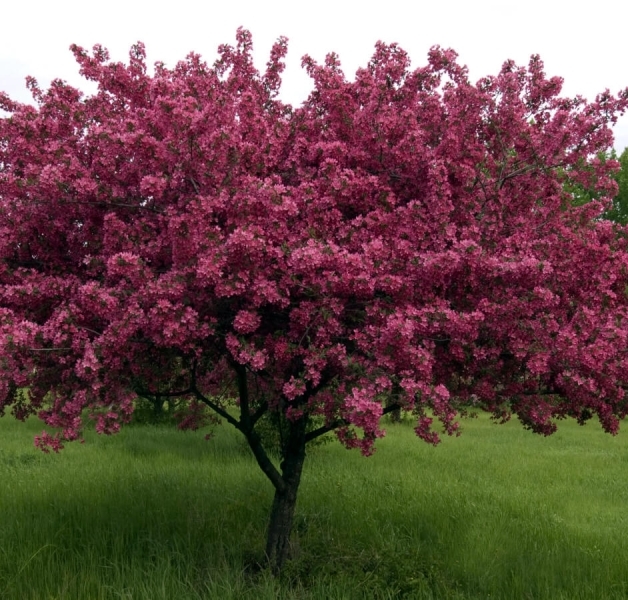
x: 405, y: 241
x: 619, y: 209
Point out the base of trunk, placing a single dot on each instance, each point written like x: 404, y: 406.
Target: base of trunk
x: 279, y: 528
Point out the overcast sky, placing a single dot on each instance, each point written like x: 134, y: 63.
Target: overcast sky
x: 586, y: 46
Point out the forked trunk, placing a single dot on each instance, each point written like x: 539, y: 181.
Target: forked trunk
x: 285, y: 501
x: 285, y: 480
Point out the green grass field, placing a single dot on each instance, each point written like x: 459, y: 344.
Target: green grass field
x: 154, y: 513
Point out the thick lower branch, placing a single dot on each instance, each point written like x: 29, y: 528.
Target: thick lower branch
x: 246, y: 426
x: 264, y: 462
x: 243, y: 393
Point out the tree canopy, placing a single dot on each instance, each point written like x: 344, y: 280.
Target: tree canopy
x: 404, y: 240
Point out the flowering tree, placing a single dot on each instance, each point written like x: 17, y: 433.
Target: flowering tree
x: 402, y: 241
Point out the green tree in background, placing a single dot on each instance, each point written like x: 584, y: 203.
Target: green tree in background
x: 619, y: 212
x: 583, y: 194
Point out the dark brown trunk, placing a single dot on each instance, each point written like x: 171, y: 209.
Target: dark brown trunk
x: 279, y: 529
x: 395, y: 414
x: 286, y: 482
x: 285, y: 501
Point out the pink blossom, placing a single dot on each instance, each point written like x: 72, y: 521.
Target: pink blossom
x: 246, y: 321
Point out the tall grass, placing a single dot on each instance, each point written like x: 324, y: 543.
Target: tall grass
x: 159, y: 514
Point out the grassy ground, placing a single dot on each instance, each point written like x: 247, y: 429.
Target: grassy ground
x: 159, y: 514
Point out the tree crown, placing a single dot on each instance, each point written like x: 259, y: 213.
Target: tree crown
x: 404, y: 238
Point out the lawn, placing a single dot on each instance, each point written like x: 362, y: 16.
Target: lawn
x: 154, y: 513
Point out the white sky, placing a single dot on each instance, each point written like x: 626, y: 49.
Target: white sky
x: 583, y: 42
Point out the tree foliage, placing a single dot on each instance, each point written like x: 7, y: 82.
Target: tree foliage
x: 405, y: 240
x: 619, y: 209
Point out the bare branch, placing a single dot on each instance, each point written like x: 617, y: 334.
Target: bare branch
x: 143, y: 392
x: 49, y: 349
x: 216, y: 408
x: 194, y: 184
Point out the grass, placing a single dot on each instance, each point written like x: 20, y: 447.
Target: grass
x: 154, y: 513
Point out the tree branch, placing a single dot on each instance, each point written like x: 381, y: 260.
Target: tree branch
x: 143, y: 392
x: 259, y: 413
x: 50, y: 349
x: 216, y: 408
x: 312, y: 435
x: 194, y: 184
x: 113, y: 205
x: 243, y: 393
x: 245, y: 425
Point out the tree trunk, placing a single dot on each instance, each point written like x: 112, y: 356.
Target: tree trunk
x: 279, y: 529
x: 395, y: 415
x: 285, y: 501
